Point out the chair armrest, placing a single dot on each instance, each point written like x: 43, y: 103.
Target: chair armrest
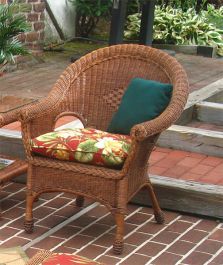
x: 41, y: 109
x: 13, y: 115
x: 39, y: 118
x: 36, y: 120
x: 144, y: 130
x: 172, y: 113
x: 7, y: 118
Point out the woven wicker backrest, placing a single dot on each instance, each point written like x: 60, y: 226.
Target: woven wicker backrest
x: 95, y: 84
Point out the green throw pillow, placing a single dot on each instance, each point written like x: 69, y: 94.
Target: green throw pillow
x: 143, y: 100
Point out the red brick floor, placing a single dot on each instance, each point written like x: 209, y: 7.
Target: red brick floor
x: 187, y: 166
x: 183, y: 240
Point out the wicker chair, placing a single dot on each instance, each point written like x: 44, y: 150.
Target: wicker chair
x: 91, y: 89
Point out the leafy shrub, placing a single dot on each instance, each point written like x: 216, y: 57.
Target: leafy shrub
x: 215, y: 15
x: 11, y: 25
x: 186, y: 4
x: 174, y: 26
x: 88, y: 14
x: 133, y: 26
x: 133, y: 6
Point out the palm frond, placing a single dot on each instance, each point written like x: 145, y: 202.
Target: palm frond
x: 14, y: 47
x: 11, y: 25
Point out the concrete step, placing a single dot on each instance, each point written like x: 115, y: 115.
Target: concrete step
x: 185, y: 196
x: 209, y: 112
x: 206, y: 126
x: 193, y: 139
x: 200, y: 128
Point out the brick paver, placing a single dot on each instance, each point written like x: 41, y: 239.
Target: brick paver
x: 187, y: 166
x: 182, y: 240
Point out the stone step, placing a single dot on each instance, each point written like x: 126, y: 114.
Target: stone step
x: 205, y: 125
x: 185, y: 196
x: 209, y: 112
x: 200, y: 128
x: 192, y: 139
x: 211, y: 93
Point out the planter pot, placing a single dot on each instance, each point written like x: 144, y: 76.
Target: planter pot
x: 188, y: 49
x: 206, y: 51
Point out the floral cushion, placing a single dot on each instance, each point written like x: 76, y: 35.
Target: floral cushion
x: 87, y: 145
x: 68, y: 259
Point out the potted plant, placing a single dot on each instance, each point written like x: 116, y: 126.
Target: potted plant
x: 11, y: 25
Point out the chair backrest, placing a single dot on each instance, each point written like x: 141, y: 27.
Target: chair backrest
x: 95, y: 84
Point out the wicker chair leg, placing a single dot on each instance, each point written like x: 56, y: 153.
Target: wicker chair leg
x: 36, y: 199
x: 118, y: 243
x: 28, y: 224
x: 79, y: 201
x: 158, y: 214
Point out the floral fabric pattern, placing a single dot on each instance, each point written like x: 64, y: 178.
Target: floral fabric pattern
x: 86, y: 145
x: 68, y: 259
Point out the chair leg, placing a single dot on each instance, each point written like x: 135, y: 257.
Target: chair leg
x: 28, y: 224
x: 119, y: 244
x: 158, y: 214
x: 36, y: 199
x: 79, y: 201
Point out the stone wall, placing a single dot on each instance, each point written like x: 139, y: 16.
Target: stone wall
x: 34, y: 12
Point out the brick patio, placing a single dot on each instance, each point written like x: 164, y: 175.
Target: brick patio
x: 187, y: 166
x: 62, y: 227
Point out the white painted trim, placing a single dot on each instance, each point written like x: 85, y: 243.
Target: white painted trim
x: 204, y: 93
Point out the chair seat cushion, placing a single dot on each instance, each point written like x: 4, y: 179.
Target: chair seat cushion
x: 87, y: 145
x: 143, y: 100
x: 69, y: 259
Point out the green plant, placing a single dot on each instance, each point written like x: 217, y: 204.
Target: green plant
x: 133, y: 26
x: 133, y: 6
x: 215, y: 15
x: 174, y: 26
x: 186, y: 4
x: 11, y: 25
x: 88, y: 14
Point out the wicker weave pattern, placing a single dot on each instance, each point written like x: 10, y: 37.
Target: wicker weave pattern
x: 45, y: 256
x: 92, y: 87
x: 39, y: 257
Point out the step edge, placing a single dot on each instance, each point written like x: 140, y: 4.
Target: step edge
x: 199, y: 131
x: 187, y: 185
